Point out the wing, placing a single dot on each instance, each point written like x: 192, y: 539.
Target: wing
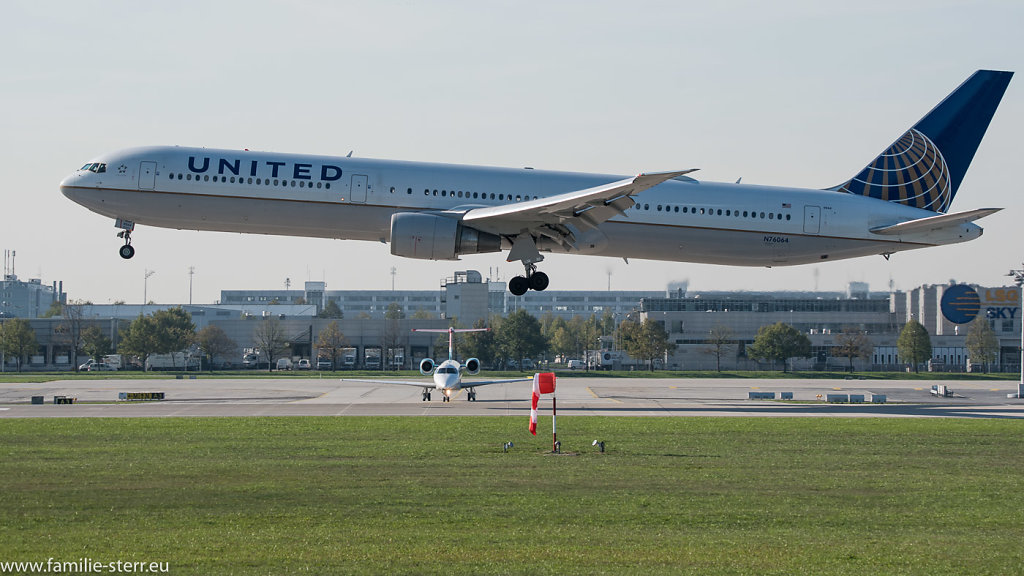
x: 935, y: 222
x: 471, y: 383
x: 551, y: 216
x: 421, y: 383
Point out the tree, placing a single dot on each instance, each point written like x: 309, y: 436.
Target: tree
x: 720, y: 340
x: 852, y: 343
x: 139, y: 339
x: 71, y: 328
x: 422, y: 314
x: 520, y: 336
x: 17, y: 339
x: 163, y: 332
x: 95, y: 343
x: 644, y: 341
x: 393, y: 317
x: 175, y: 330
x: 270, y: 338
x: 481, y: 345
x: 780, y: 342
x: 331, y: 310
x: 914, y: 344
x: 981, y: 341
x: 331, y: 340
x: 214, y: 342
x: 561, y: 341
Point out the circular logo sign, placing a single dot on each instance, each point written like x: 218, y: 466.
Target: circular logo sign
x: 960, y: 304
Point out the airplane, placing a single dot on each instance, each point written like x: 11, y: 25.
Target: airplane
x: 898, y: 202
x: 448, y: 374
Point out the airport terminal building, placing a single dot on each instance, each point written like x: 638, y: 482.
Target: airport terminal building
x: 689, y: 317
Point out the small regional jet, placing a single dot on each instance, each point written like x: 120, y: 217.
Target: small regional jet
x: 898, y: 202
x: 447, y: 374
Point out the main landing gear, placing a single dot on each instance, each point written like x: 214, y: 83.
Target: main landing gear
x: 426, y: 394
x: 471, y: 394
x: 534, y: 280
x: 524, y: 249
x: 126, y: 227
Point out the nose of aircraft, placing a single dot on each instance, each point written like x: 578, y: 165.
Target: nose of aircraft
x: 69, y: 183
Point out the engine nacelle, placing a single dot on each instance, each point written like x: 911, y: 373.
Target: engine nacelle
x: 472, y: 366
x: 426, y: 366
x: 433, y: 237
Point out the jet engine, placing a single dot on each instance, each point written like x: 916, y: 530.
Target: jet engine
x: 426, y: 366
x: 472, y: 366
x: 433, y: 237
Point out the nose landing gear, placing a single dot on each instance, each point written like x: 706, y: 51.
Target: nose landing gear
x: 126, y: 227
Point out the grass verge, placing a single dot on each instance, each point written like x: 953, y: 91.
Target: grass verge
x: 438, y: 496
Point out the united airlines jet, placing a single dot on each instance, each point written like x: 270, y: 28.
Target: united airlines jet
x: 899, y: 201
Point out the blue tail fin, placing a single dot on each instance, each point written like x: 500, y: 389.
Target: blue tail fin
x: 925, y: 166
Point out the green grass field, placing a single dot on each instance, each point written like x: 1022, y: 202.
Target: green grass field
x: 438, y: 496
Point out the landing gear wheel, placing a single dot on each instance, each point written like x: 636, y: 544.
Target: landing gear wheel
x: 538, y: 281
x: 518, y: 286
x: 127, y: 251
x: 472, y: 396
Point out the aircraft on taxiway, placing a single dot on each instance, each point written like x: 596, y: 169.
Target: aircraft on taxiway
x: 898, y: 202
x: 447, y: 374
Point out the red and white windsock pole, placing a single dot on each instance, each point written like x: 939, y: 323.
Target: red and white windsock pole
x: 543, y: 383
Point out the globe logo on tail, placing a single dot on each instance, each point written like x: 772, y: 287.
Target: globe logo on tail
x: 912, y: 172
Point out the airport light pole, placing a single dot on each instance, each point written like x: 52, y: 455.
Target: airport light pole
x: 1018, y: 279
x: 145, y: 289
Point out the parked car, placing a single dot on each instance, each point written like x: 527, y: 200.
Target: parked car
x: 100, y: 367
x: 575, y: 365
x: 304, y: 364
x: 284, y: 363
x: 324, y: 364
x: 85, y: 367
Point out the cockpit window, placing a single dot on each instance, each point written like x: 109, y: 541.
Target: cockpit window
x: 447, y: 370
x: 97, y: 167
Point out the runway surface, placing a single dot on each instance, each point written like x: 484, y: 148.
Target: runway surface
x: 576, y: 396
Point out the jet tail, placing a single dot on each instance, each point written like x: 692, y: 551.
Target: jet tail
x: 925, y: 166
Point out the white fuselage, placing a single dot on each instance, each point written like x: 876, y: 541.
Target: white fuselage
x: 680, y: 220
x: 448, y: 376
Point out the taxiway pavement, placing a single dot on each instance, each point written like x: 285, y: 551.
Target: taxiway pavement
x: 205, y: 396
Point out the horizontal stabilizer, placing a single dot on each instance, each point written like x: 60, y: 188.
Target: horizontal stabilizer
x: 934, y: 222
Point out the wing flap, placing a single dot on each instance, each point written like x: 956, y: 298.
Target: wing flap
x: 932, y: 223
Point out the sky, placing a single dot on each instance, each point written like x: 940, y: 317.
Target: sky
x: 792, y: 93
